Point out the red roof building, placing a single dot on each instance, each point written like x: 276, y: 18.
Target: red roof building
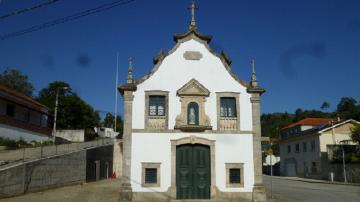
x: 22, y: 117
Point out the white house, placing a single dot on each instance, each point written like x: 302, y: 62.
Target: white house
x: 305, y: 146
x: 22, y: 117
x: 191, y: 127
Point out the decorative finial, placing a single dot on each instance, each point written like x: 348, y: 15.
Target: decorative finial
x: 130, y: 72
x: 193, y: 8
x: 253, y: 82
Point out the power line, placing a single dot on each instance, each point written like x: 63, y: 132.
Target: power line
x: 69, y: 18
x: 47, y: 3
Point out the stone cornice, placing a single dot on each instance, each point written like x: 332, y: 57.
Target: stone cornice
x: 258, y: 90
x: 127, y: 87
x: 235, y: 132
x: 205, y: 38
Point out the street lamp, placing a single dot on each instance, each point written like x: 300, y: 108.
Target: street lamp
x: 342, y: 142
x: 55, y: 113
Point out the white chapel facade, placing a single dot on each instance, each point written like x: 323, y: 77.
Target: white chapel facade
x: 191, y: 127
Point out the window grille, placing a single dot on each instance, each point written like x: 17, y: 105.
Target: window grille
x: 156, y: 105
x: 234, y: 176
x: 150, y: 175
x: 227, y: 107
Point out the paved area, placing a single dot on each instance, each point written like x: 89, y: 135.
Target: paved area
x: 293, y: 190
x: 284, y: 190
x: 101, y: 191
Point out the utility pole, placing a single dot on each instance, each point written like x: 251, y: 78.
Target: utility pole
x: 116, y: 91
x: 55, y: 111
x: 343, y: 160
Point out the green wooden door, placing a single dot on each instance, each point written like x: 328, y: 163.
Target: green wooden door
x: 193, y: 172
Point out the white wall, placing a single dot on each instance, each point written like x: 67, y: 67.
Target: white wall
x: 175, y: 71
x: 300, y: 157
x: 17, y: 133
x: 156, y: 147
x: 71, y: 135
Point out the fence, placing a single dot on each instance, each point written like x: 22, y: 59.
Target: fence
x: 10, y: 158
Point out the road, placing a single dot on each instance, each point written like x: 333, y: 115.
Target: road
x: 285, y: 190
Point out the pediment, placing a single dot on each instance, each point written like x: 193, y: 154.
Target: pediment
x: 193, y: 88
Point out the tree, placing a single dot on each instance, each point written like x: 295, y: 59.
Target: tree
x: 14, y: 79
x: 73, y: 112
x: 109, y: 123
x: 348, y: 108
x: 325, y: 106
x: 355, y: 133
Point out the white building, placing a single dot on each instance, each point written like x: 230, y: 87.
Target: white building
x: 191, y: 128
x: 22, y: 117
x: 305, y: 146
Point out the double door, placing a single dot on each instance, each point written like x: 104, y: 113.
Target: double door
x: 193, y: 172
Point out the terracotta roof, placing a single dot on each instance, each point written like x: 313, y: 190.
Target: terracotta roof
x: 22, y: 97
x: 310, y: 122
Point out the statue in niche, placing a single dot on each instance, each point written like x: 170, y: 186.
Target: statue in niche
x: 193, y: 114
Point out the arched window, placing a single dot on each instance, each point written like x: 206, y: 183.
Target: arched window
x: 193, y: 113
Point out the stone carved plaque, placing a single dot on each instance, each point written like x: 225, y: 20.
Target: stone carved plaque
x: 192, y: 55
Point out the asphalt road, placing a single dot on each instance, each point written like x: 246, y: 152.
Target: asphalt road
x: 285, y: 190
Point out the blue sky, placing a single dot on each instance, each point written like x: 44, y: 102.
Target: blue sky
x: 306, y: 51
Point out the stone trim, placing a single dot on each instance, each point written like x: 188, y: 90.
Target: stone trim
x: 192, y: 55
x: 161, y: 93
x: 235, y: 132
x: 185, y: 90
x: 145, y: 165
x: 193, y: 91
x: 229, y: 166
x: 193, y: 140
x: 236, y: 95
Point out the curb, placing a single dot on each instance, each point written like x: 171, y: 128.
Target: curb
x: 314, y: 181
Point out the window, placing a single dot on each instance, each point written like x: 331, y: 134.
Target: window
x: 313, y: 145
x: 156, y: 109
x: 227, y: 107
x: 234, y: 174
x: 156, y: 105
x: 304, y: 147
x: 193, y: 113
x: 297, y: 148
x: 150, y: 175
x: 289, y: 149
x: 10, y: 110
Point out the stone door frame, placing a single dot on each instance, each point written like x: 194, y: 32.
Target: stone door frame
x: 193, y: 140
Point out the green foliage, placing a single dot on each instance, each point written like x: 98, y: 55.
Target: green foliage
x: 355, y: 133
x: 21, y: 143
x: 325, y: 106
x: 273, y: 122
x: 348, y: 108
x: 73, y: 112
x: 17, y: 81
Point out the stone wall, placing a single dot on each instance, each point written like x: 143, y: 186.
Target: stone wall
x: 66, y: 169
x: 43, y: 174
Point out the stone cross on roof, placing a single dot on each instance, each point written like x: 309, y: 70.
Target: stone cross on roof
x: 193, y: 8
x: 253, y: 82
x: 130, y: 72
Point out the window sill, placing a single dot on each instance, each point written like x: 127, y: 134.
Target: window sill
x: 193, y: 128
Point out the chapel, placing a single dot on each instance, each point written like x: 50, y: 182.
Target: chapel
x: 191, y: 127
